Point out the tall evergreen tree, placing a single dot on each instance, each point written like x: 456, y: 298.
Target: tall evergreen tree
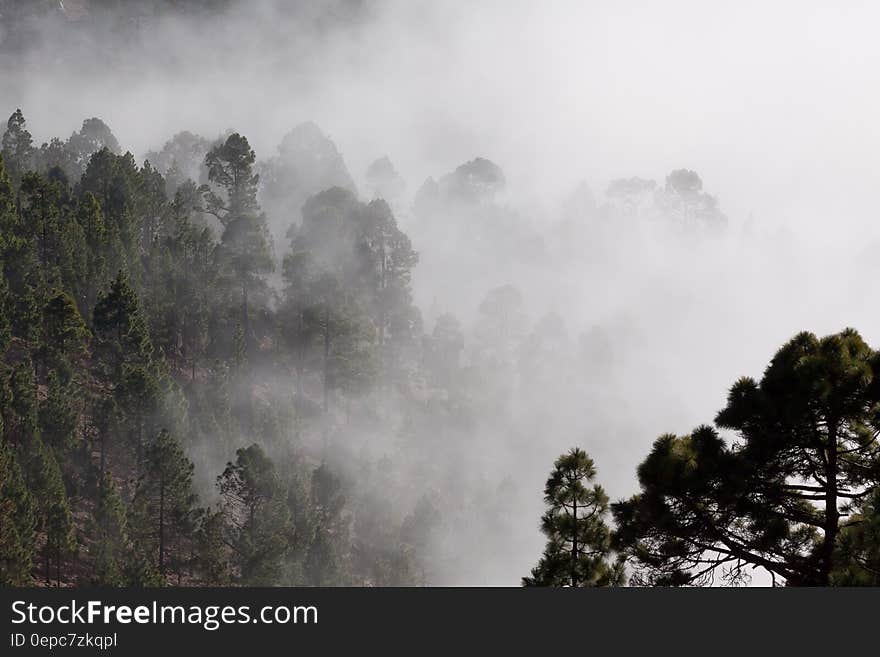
x: 59, y: 414
x: 256, y: 516
x: 17, y: 147
x: 326, y: 562
x: 120, y: 329
x: 99, y: 257
x: 578, y: 551
x: 245, y: 245
x: 65, y: 336
x: 211, y: 559
x: 109, y: 534
x: 17, y: 521
x: 57, y: 517
x: 164, y: 497
x: 21, y: 270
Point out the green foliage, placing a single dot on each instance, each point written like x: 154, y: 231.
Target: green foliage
x: 97, y: 252
x: 17, y: 147
x: 93, y: 137
x: 57, y: 516
x: 779, y: 497
x: 857, y: 557
x: 326, y: 561
x: 578, y: 540
x: 125, y: 323
x: 163, y: 501
x: 109, y: 535
x: 120, y: 329
x: 65, y: 336
x: 5, y: 324
x: 210, y: 549
x: 21, y: 411
x: 116, y: 183
x: 59, y: 414
x: 17, y: 521
x: 245, y: 250
x: 257, y: 525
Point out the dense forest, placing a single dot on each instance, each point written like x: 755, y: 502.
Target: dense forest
x: 140, y: 329
x: 148, y: 325
x: 223, y: 364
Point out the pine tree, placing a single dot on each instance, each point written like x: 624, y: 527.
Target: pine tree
x: 21, y: 269
x: 25, y: 297
x: 245, y: 245
x: 41, y: 472
x: 21, y: 412
x: 442, y: 353
x: 326, y: 562
x: 56, y: 515
x: 59, y: 413
x: 47, y: 215
x: 109, y: 532
x: 65, y: 335
x: 93, y: 137
x: 779, y: 494
x: 417, y: 532
x: 98, y: 256
x: 17, y: 521
x: 164, y: 496
x: 257, y: 520
x: 387, y: 262
x: 211, y: 559
x: 578, y: 540
x: 114, y: 180
x: 5, y: 324
x: 17, y: 147
x: 120, y: 329
x: 138, y: 397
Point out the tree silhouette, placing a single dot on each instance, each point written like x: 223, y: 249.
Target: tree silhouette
x: 578, y: 540
x: 806, y: 455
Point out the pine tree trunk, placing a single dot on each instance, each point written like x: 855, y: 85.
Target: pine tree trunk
x: 162, y: 527
x: 574, y: 546
x: 245, y: 326
x: 831, y: 513
x: 326, y: 361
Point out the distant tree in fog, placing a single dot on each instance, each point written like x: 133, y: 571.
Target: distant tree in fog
x: 257, y: 519
x: 182, y: 157
x: 629, y: 194
x: 245, y: 245
x: 384, y: 181
x: 17, y: 147
x: 684, y: 202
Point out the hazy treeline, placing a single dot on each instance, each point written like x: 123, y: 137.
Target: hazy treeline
x: 229, y: 357
x: 152, y: 324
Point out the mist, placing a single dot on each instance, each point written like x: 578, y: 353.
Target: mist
x: 772, y: 106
